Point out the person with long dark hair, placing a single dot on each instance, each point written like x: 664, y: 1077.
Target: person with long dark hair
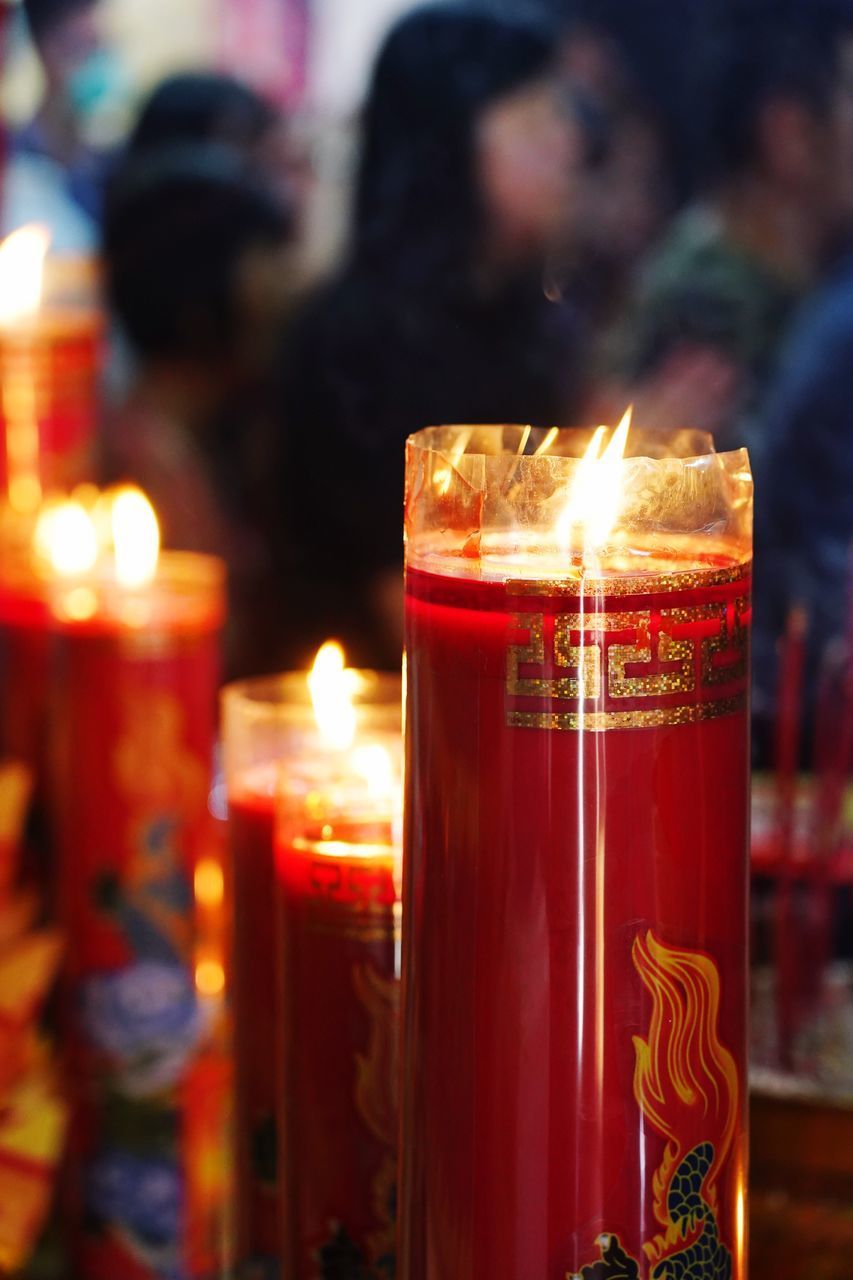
x: 440, y: 312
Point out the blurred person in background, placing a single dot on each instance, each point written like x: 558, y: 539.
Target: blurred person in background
x: 722, y: 288
x: 627, y: 190
x: 195, y: 254
x: 207, y: 107
x: 466, y: 180
x: 57, y: 175
x: 804, y: 463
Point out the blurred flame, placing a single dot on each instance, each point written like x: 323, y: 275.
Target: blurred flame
x: 135, y: 537
x: 595, y: 497
x: 331, y: 686
x: 373, y: 763
x: 66, y: 538
x: 209, y: 977
x: 22, y: 257
x: 209, y: 883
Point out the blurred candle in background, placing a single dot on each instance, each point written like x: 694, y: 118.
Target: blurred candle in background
x: 141, y: 891
x: 50, y: 347
x: 575, y: 958
x: 265, y: 722
x: 337, y: 854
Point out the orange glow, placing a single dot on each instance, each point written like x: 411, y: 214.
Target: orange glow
x: 209, y: 883
x: 209, y: 978
x: 22, y: 258
x: 374, y: 765
x: 66, y: 539
x: 595, y: 496
x: 135, y: 537
x: 443, y: 476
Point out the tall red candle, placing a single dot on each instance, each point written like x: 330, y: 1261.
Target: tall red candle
x: 51, y: 343
x: 266, y: 723
x: 141, y: 895
x: 24, y: 657
x: 574, y: 967
x: 336, y: 861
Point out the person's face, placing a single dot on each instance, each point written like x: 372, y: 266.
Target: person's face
x: 624, y: 198
x: 69, y: 44
x: 528, y: 155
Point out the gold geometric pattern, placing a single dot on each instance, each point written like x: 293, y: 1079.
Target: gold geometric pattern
x: 684, y: 665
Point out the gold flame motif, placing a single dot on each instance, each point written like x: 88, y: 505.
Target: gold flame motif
x: 683, y: 1072
x: 376, y: 1075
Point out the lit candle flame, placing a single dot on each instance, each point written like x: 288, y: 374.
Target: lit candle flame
x: 22, y: 257
x: 374, y: 765
x: 66, y: 538
x: 331, y: 686
x: 595, y: 497
x: 135, y: 538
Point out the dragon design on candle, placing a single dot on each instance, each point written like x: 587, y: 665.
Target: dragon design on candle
x: 685, y: 1082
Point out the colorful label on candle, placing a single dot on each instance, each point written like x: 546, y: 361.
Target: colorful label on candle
x: 148, y: 1175
x: 685, y: 1081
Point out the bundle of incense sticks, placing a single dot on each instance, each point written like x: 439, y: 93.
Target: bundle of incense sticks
x: 808, y: 870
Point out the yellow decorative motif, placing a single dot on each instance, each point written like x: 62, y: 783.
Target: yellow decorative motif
x: 598, y: 721
x: 667, y: 655
x: 640, y: 585
x: 682, y: 1069
x: 376, y: 1096
x: 731, y: 643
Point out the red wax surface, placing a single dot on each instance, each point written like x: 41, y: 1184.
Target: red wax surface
x: 339, y: 1029
x: 24, y: 666
x: 535, y: 859
x: 251, y: 812
x: 131, y: 749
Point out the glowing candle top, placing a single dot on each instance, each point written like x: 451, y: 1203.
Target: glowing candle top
x: 503, y: 503
x: 96, y: 559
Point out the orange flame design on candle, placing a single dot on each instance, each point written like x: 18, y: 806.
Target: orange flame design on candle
x: 685, y: 1080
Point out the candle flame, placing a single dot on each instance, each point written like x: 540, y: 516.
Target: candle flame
x: 331, y: 686
x: 444, y: 475
x: 595, y: 497
x: 135, y: 537
x: 22, y: 257
x: 374, y: 765
x: 66, y: 539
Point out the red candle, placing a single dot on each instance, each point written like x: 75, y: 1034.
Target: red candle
x: 336, y: 862
x: 24, y: 659
x: 51, y: 333
x: 141, y: 892
x: 265, y: 722
x: 575, y: 968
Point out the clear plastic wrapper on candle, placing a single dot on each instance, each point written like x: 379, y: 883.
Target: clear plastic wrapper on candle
x: 575, y: 967
x: 142, y: 902
x: 337, y: 863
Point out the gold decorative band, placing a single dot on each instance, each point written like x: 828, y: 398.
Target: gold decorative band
x: 641, y: 585
x: 684, y: 664
x: 598, y: 721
